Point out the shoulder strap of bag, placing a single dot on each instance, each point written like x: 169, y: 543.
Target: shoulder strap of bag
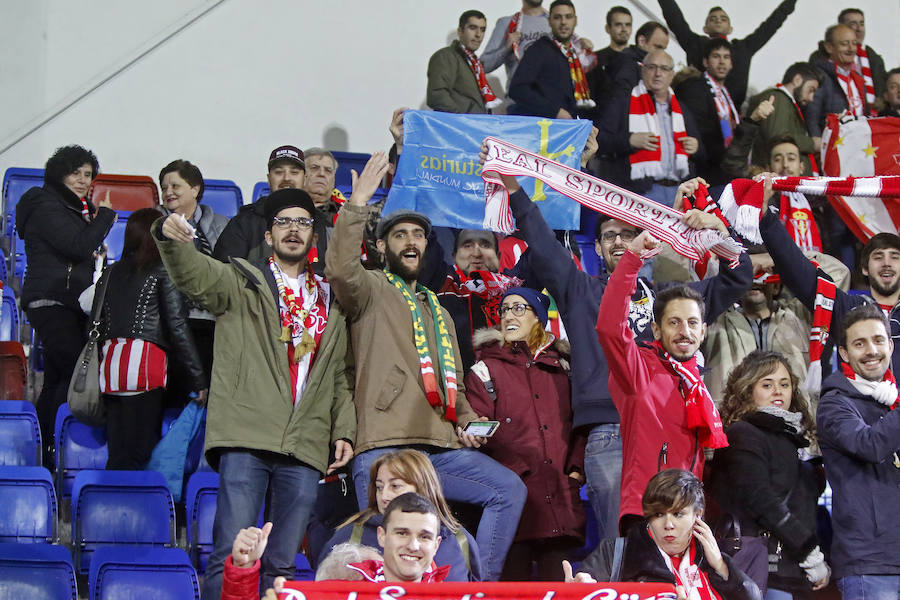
x: 615, y: 573
x: 99, y: 294
x: 464, y: 547
x: 358, y: 528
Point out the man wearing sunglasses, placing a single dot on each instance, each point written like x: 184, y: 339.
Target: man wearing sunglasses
x: 280, y: 406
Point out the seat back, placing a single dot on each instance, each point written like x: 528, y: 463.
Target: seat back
x: 127, y: 193
x: 347, y: 161
x: 138, y: 573
x: 223, y: 196
x: 37, y: 572
x: 260, y: 189
x: 78, y: 447
x: 28, y: 512
x: 115, y: 239
x: 20, y: 434
x: 120, y: 507
x: 9, y: 316
x: 200, y: 511
x: 13, y: 371
x: 17, y: 181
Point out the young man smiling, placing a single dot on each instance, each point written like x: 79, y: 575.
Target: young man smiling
x: 859, y: 431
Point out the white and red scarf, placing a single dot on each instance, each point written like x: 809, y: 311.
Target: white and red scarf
x: 701, y: 200
x: 515, y: 24
x: 642, y: 117
x: 487, y: 285
x: 813, y: 164
x: 689, y: 576
x: 373, y: 570
x: 701, y: 412
x: 303, y: 319
x: 862, y: 59
x: 582, y: 93
x: 487, y: 94
x: 853, y: 86
x: 662, y: 221
x: 818, y: 333
x: 131, y: 365
x: 797, y: 216
x: 884, y: 391
x: 725, y: 109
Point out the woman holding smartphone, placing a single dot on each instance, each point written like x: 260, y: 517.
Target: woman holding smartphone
x: 521, y: 380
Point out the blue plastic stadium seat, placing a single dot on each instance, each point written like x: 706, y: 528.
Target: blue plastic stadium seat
x: 28, y: 511
x: 17, y: 181
x: 9, y: 316
x: 20, y: 434
x: 119, y: 508
x: 37, y: 572
x: 17, y: 261
x: 78, y: 447
x: 200, y: 511
x: 302, y: 570
x: 138, y: 573
x: 347, y: 161
x: 115, y: 239
x: 223, y: 196
x: 4, y: 269
x: 260, y: 189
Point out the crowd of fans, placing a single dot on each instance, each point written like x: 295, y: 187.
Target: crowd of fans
x: 329, y: 338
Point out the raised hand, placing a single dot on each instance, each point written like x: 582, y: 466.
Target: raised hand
x: 365, y: 183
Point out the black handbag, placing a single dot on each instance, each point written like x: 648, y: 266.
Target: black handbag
x: 84, y: 398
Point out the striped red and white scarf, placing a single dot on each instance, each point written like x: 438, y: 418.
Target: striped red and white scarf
x: 883, y: 392
x: 797, y: 216
x: 813, y: 164
x: 700, y: 409
x: 818, y: 333
x: 642, y: 117
x: 688, y: 575
x: 132, y: 365
x: 582, y: 93
x: 662, y: 221
x: 725, y: 109
x: 853, y: 86
x: 487, y: 94
x: 862, y: 58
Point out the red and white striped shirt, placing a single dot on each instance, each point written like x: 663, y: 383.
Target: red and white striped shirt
x: 131, y: 366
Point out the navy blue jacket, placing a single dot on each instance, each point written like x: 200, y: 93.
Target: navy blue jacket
x: 542, y: 84
x: 799, y: 275
x: 578, y: 296
x: 860, y: 440
x: 448, y: 553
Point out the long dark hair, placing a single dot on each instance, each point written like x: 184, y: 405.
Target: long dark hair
x: 139, y: 245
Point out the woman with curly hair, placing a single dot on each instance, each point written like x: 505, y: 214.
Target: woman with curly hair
x: 63, y: 234
x: 761, y: 481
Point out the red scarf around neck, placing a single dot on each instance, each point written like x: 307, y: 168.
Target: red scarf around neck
x: 862, y: 59
x: 702, y: 415
x: 725, y: 109
x: 691, y: 577
x: 487, y: 94
x: 853, y: 86
x: 582, y: 93
x: 849, y: 373
x: 642, y: 117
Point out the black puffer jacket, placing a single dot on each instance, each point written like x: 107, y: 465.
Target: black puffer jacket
x: 642, y: 562
x: 760, y: 480
x: 146, y: 305
x: 59, y: 243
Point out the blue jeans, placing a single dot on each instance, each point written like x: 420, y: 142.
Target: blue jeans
x: 246, y: 479
x: 475, y: 478
x: 772, y: 594
x: 869, y: 587
x: 664, y: 194
x: 603, y: 471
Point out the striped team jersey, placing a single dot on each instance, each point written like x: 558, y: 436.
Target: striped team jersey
x: 131, y: 366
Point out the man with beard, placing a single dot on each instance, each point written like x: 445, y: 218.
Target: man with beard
x: 796, y: 90
x: 667, y: 414
x: 578, y: 296
x: 409, y: 382
x: 859, y: 432
x: 244, y: 235
x: 879, y: 263
x: 280, y: 398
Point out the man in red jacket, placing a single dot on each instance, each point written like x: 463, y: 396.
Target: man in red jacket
x: 667, y: 414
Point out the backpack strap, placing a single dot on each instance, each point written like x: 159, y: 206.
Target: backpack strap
x: 464, y: 547
x: 615, y: 573
x: 358, y: 528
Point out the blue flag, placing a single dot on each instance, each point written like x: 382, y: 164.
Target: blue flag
x: 439, y: 173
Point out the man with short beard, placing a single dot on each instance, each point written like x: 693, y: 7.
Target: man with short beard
x: 279, y: 399
x: 409, y: 379
x: 879, y: 263
x: 667, y: 415
x: 858, y: 426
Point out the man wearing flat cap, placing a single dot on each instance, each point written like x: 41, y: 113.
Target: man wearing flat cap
x: 280, y: 403
x: 409, y: 384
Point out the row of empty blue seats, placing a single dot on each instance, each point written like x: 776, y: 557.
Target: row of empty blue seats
x: 46, y: 572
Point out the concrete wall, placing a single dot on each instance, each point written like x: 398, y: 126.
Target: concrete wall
x: 222, y: 82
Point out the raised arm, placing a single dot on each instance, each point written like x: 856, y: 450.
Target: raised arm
x: 767, y: 28
x: 691, y: 42
x: 352, y: 285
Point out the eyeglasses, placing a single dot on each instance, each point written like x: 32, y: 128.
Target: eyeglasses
x: 302, y: 223
x: 663, y: 68
x: 517, y: 309
x: 627, y: 236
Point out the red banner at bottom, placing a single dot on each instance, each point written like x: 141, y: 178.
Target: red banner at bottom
x: 358, y: 590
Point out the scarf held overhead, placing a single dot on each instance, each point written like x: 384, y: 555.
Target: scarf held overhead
x: 662, y: 221
x: 442, y: 335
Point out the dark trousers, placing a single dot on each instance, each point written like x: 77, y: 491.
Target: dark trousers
x: 133, y: 426
x: 63, y: 333
x: 538, y: 560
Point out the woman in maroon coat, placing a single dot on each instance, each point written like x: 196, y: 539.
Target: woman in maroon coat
x: 521, y: 380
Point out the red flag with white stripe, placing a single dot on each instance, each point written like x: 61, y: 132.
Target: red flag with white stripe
x: 863, y: 148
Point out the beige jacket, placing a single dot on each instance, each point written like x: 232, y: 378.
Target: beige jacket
x: 391, y: 409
